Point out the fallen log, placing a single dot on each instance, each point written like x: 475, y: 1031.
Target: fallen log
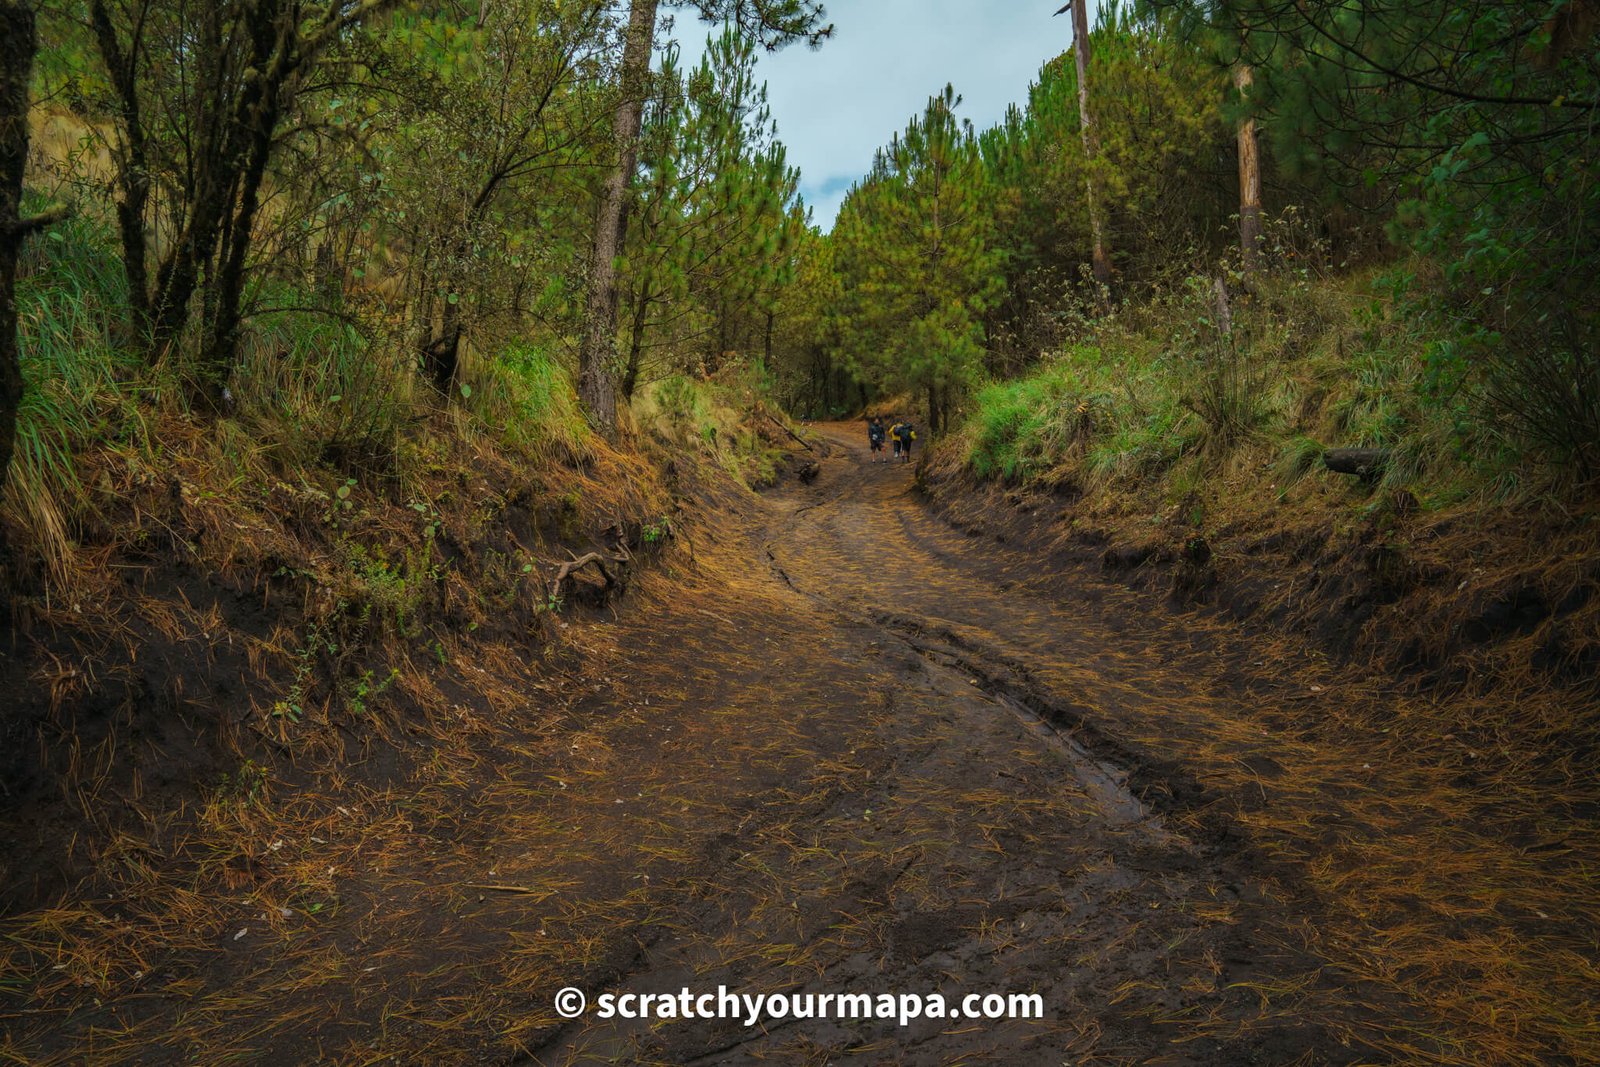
x: 780, y: 425
x: 1363, y: 462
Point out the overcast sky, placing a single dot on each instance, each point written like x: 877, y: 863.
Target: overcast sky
x: 835, y: 106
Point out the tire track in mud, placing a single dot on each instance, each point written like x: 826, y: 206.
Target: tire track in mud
x: 1110, y: 769
x: 1100, y: 762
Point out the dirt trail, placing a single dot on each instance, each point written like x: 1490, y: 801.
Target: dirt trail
x: 952, y: 817
x: 849, y: 750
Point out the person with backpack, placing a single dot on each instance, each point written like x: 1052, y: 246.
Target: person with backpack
x: 875, y: 436
x: 904, y: 433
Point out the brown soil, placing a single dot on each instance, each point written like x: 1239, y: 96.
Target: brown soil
x: 836, y: 745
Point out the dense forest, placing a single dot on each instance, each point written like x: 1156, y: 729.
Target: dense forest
x: 322, y: 219
x: 398, y: 396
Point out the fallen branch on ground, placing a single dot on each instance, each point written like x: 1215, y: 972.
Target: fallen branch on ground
x: 779, y: 423
x: 520, y: 889
x: 599, y: 560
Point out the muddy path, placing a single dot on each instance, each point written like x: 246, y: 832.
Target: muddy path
x: 839, y: 747
x: 955, y: 813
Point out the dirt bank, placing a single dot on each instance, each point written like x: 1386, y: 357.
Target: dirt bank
x: 1473, y: 595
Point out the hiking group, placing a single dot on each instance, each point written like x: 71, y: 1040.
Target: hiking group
x: 901, y: 434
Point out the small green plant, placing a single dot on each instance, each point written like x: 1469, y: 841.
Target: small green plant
x: 655, y: 532
x: 340, y: 505
x: 363, y: 688
x: 432, y: 522
x: 393, y: 590
x: 244, y: 786
x: 292, y: 706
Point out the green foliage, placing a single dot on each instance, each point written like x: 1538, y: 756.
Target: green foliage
x: 717, y: 220
x: 715, y: 417
x: 1477, y: 121
x: 81, y: 387
x: 1301, y: 455
x: 527, y: 396
x: 1163, y: 398
x: 1105, y: 413
x: 1166, y: 201
x: 917, y: 262
x: 389, y: 590
x: 464, y: 157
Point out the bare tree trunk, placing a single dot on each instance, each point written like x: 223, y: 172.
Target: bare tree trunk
x: 1249, y: 178
x: 641, y: 315
x: 597, y: 383
x: 132, y: 172
x: 1091, y: 148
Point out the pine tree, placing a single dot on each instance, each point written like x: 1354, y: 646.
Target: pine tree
x: 773, y: 23
x: 917, y: 262
x: 715, y: 210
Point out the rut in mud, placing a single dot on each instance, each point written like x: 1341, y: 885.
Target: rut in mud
x: 848, y: 750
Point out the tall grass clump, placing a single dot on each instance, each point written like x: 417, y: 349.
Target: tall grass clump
x: 1010, y: 425
x: 318, y: 386
x: 1095, y: 412
x: 526, y: 396
x: 71, y: 297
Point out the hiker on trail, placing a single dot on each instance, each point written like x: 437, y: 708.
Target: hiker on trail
x: 903, y: 433
x: 894, y: 437
x: 875, y: 436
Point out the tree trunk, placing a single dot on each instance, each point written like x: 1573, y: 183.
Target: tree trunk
x: 18, y: 42
x: 641, y: 316
x: 597, y: 385
x: 1091, y: 149
x: 133, y: 173
x: 441, y: 356
x: 1249, y: 178
x: 933, y: 408
x: 222, y: 346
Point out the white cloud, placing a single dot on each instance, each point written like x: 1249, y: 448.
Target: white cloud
x: 836, y: 106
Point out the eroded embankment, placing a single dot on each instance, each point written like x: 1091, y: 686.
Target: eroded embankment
x: 215, y: 639
x: 1476, y: 595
